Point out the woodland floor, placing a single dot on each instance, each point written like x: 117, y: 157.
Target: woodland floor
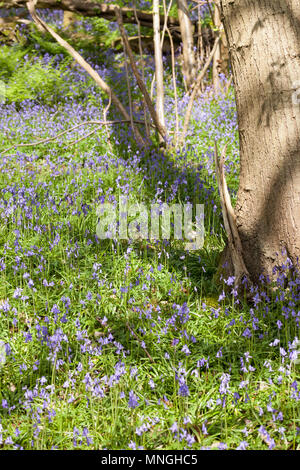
x: 119, y: 344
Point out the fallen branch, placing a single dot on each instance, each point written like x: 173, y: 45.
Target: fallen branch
x: 83, y: 137
x: 139, y: 341
x: 93, y: 9
x: 50, y: 139
x: 82, y: 62
x: 89, y: 8
x: 234, y: 241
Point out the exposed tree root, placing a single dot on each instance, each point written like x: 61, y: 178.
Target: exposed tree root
x: 234, y: 243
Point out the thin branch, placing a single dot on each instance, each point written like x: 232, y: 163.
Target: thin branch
x: 217, y: 56
x: 195, y: 90
x: 200, y: 51
x: 160, y: 96
x: 105, y: 118
x: 173, y: 76
x: 165, y: 26
x: 128, y: 85
x: 83, y: 137
x: 143, y: 68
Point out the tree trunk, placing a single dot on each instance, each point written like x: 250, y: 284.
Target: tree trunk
x: 263, y: 38
x: 159, y: 75
x: 186, y: 29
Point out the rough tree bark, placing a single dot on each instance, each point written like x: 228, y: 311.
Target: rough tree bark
x: 159, y: 74
x: 263, y: 38
x: 186, y: 28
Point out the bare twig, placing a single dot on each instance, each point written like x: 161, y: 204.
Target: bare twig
x: 173, y: 75
x: 199, y: 39
x: 128, y: 84
x: 165, y: 22
x: 82, y: 62
x: 159, y: 77
x: 142, y: 66
x: 217, y: 55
